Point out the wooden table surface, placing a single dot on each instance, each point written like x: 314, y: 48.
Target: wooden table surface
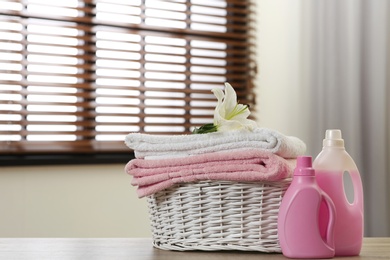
x: 142, y: 249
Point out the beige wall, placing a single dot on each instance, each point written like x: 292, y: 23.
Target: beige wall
x: 98, y: 201
x: 70, y: 201
x: 282, y: 91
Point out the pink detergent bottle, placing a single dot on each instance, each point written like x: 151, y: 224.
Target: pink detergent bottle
x: 331, y: 165
x: 299, y: 217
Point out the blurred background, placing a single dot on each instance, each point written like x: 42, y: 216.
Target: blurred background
x: 321, y: 65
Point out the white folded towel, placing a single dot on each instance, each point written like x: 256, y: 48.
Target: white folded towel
x: 147, y: 146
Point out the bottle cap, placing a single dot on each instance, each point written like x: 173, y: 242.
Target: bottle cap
x: 333, y: 138
x: 304, y: 166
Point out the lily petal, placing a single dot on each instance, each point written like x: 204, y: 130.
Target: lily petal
x: 230, y: 100
x: 228, y: 114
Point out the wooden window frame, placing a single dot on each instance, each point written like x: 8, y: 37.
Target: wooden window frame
x: 239, y: 69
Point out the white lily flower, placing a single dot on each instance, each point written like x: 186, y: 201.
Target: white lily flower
x: 228, y: 114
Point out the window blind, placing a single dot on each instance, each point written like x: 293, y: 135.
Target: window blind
x: 77, y: 76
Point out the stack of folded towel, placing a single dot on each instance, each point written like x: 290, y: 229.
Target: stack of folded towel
x: 243, y: 156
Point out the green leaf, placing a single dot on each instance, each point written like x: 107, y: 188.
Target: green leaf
x: 207, y: 128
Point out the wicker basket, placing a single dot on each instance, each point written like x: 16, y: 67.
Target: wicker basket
x: 217, y: 215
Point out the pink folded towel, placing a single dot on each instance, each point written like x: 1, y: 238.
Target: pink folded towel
x: 148, y: 146
x: 238, y: 165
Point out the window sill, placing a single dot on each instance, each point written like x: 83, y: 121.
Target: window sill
x: 65, y: 159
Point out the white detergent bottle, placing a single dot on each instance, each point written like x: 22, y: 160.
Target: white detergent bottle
x: 331, y: 165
